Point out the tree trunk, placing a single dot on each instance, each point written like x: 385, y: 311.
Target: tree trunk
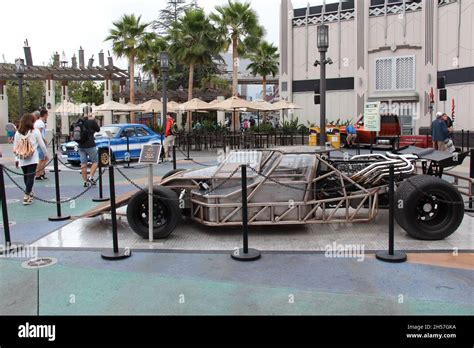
x: 264, y: 96
x: 235, y: 81
x: 132, y: 86
x: 235, y: 66
x: 189, y: 121
x: 155, y: 83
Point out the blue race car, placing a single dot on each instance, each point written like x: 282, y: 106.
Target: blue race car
x: 116, y: 145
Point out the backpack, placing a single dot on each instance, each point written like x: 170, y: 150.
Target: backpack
x: 24, y: 149
x: 174, y: 129
x: 80, y: 133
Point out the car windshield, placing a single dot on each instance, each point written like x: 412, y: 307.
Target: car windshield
x: 105, y: 130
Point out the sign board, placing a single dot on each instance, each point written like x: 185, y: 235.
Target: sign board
x: 150, y: 154
x: 372, y: 116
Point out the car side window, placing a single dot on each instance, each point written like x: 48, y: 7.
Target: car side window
x: 129, y: 131
x: 142, y: 132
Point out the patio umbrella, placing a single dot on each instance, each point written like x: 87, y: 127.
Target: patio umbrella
x: 233, y: 104
x: 151, y: 107
x: 117, y: 108
x: 173, y: 106
x: 194, y: 105
x: 262, y: 105
x: 286, y: 105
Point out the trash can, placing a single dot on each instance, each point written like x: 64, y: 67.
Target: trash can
x: 335, y: 140
x: 313, y: 136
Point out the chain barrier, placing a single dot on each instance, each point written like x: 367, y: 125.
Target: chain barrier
x: 30, y: 174
x: 68, y: 166
x: 195, y: 162
x: 156, y: 196
x: 45, y: 200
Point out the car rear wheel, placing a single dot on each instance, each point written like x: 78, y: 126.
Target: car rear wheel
x: 104, y: 157
x: 166, y: 212
x: 428, y: 208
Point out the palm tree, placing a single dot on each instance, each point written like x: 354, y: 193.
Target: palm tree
x: 239, y: 25
x: 265, y: 62
x: 149, y: 55
x: 126, y: 36
x: 194, y: 42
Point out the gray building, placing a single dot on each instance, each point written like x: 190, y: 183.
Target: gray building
x: 390, y: 51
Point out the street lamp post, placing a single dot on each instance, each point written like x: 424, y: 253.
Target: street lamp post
x: 164, y: 64
x: 20, y: 73
x: 323, y: 45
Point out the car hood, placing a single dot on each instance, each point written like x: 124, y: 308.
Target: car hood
x: 98, y: 142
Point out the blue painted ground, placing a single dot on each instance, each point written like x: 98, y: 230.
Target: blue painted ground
x: 155, y: 283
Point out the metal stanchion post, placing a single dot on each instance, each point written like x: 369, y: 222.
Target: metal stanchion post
x: 59, y: 217
x: 245, y: 254
x: 174, y: 157
x: 101, y: 191
x: 128, y: 159
x: 189, y: 146
x: 392, y: 255
x: 150, y: 204
x: 54, y: 153
x: 116, y: 253
x: 9, y: 246
x: 470, y: 208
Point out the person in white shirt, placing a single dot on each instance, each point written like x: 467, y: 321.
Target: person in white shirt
x: 40, y: 125
x: 27, y: 131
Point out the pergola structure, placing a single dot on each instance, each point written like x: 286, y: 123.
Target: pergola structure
x: 62, y: 73
x: 42, y: 73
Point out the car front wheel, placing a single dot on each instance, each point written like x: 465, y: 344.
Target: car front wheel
x: 166, y: 212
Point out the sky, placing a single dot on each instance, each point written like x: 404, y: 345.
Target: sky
x: 64, y: 25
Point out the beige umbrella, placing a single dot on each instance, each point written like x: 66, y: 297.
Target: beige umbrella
x: 194, y: 105
x: 233, y: 104
x: 286, y: 105
x: 153, y: 105
x: 262, y: 105
x: 117, y: 108
x: 173, y: 106
x: 66, y: 107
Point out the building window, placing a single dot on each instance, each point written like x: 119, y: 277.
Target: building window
x: 395, y: 73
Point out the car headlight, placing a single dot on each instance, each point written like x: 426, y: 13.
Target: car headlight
x: 64, y: 148
x: 76, y: 148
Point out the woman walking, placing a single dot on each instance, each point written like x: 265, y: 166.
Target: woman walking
x: 25, y: 145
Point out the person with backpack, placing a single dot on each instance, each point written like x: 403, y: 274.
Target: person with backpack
x: 25, y: 147
x: 83, y: 135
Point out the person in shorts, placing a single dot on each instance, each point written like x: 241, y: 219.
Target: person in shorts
x: 169, y: 135
x: 88, y: 151
x: 40, y: 125
x: 10, y: 128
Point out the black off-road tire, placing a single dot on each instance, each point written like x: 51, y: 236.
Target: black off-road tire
x: 167, y: 213
x: 428, y: 208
